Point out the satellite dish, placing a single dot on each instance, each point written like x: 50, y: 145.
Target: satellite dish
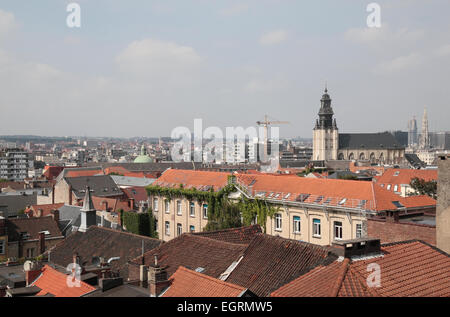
x: 96, y: 261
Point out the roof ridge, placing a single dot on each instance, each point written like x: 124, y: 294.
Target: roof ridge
x: 124, y: 232
x: 340, y: 278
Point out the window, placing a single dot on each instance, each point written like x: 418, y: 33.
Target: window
x: 155, y: 204
x: 358, y: 230
x: 395, y: 188
x: 342, y: 201
x: 167, y: 228
x: 192, y: 209
x: 296, y: 224
x: 278, y: 222
x: 338, y: 230
x: 179, y: 229
x: 166, y: 206
x: 179, y: 207
x: 30, y: 252
x: 316, y: 228
x: 205, y: 211
x: 191, y: 229
x: 2, y: 246
x: 388, y: 187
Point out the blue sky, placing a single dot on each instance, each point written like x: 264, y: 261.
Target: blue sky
x: 142, y: 68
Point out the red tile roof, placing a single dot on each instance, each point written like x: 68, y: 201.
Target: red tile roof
x: 53, y: 282
x: 187, y: 283
x: 46, y: 209
x: 201, y: 180
x: 137, y: 193
x: 332, y: 190
x: 404, y: 176
x: 114, y: 204
x: 51, y: 172
x: 243, y: 235
x: 408, y: 269
x: 75, y: 172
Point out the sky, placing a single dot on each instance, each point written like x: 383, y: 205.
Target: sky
x: 145, y: 67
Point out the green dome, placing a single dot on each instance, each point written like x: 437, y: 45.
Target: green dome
x: 143, y: 158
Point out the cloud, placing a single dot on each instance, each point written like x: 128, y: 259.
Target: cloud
x: 151, y: 55
x: 258, y: 85
x: 400, y: 63
x: 381, y: 38
x: 235, y: 9
x: 7, y: 22
x: 443, y: 51
x: 273, y: 37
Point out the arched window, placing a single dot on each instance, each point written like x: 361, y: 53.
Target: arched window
x: 372, y: 157
x: 351, y: 156
x: 362, y: 157
x: 341, y: 156
x: 381, y: 158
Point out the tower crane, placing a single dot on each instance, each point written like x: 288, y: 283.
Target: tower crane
x: 266, y: 124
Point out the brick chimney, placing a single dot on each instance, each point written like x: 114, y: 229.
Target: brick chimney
x: 157, y: 279
x: 131, y: 203
x: 32, y: 271
x: 105, y: 205
x: 41, y: 242
x: 70, y: 194
x: 39, y: 213
x: 392, y: 216
x: 55, y: 215
x: 53, y: 194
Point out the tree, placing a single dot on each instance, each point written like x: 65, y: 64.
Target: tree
x: 423, y: 187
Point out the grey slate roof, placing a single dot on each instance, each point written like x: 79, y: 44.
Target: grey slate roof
x: 384, y: 140
x: 132, y: 181
x: 414, y: 160
x: 101, y: 186
x: 11, y: 204
x: 70, y: 218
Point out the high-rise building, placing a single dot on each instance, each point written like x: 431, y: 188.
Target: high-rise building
x: 14, y: 164
x: 424, y: 136
x: 412, y: 132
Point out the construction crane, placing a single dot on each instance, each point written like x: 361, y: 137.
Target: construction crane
x: 266, y: 124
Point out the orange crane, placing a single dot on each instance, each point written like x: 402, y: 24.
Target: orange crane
x: 266, y: 124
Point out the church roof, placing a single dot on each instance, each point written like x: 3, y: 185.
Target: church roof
x: 384, y: 140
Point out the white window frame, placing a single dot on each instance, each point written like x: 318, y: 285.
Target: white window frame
x: 395, y: 188
x: 167, y: 228
x: 358, y: 230
x: 167, y: 206
x: 317, y: 227
x: 192, y: 208
x: 297, y: 226
x: 205, y: 214
x: 155, y: 204
x: 338, y: 229
x: 278, y: 222
x: 179, y: 208
x: 179, y: 229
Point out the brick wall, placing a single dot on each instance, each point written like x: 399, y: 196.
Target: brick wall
x: 397, y: 231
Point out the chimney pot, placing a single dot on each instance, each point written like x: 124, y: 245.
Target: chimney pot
x: 55, y: 214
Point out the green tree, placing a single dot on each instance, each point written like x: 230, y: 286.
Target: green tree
x: 423, y: 187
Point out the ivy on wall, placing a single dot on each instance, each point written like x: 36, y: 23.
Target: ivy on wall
x: 143, y: 224
x: 223, y: 213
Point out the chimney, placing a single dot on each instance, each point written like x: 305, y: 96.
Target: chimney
x: 88, y: 212
x: 105, y: 205
x: 32, y: 271
x: 70, y: 194
x: 143, y: 273
x: 102, y: 221
x: 356, y: 247
x: 2, y: 226
x: 41, y: 242
x: 39, y: 212
x: 53, y: 194
x: 131, y: 203
x: 55, y: 215
x: 157, y: 279
x: 392, y: 216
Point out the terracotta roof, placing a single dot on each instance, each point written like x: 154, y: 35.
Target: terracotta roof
x: 32, y: 226
x: 102, y: 242
x: 46, y: 209
x: 270, y: 262
x: 408, y: 269
x: 55, y: 283
x: 80, y: 172
x: 201, y: 180
x: 404, y: 176
x: 51, y: 172
x: 357, y: 194
x: 138, y: 193
x: 194, y: 251
x: 114, y: 204
x: 243, y: 235
x: 188, y: 283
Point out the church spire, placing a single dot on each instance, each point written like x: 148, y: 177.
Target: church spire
x: 326, y: 111
x: 88, y: 205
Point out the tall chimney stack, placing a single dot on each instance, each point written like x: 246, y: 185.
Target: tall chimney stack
x: 70, y: 194
x: 41, y: 243
x: 53, y: 194
x: 157, y: 279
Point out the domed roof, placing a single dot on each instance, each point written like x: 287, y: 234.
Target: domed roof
x: 143, y: 158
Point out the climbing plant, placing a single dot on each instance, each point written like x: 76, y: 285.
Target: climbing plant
x: 140, y: 223
x: 223, y: 213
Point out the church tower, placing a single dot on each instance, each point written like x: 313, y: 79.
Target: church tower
x: 325, y: 133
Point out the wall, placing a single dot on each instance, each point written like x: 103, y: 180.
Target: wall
x: 443, y: 205
x: 397, y: 231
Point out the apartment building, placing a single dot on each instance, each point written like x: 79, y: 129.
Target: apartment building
x: 317, y: 211
x: 14, y: 164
